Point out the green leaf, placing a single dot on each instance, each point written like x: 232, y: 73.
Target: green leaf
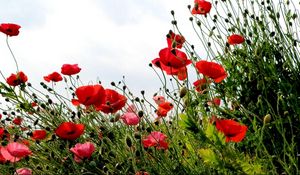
x: 208, y: 156
x: 250, y: 169
x: 187, y: 123
x: 213, y: 135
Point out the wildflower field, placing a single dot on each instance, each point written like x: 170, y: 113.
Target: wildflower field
x: 235, y: 110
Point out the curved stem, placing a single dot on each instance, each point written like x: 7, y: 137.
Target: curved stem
x: 12, y: 54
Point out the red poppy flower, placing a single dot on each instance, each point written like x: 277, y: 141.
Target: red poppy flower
x: 142, y: 173
x: 69, y: 130
x: 16, y: 79
x: 70, y: 69
x: 113, y: 102
x: 173, y: 62
x: 201, y: 7
x: 55, y: 77
x: 91, y: 95
x: 212, y: 70
x: 215, y: 101
x: 4, y: 134
x: 181, y: 73
x: 10, y: 29
x: 163, y: 109
x: 1, y: 132
x: 82, y: 151
x: 155, y: 139
x: 235, y: 39
x: 232, y: 130
x: 33, y: 104
x: 39, y: 134
x: 173, y: 58
x: 25, y: 142
x: 174, y: 40
x: 201, y: 85
x: 18, y: 149
x: 17, y: 121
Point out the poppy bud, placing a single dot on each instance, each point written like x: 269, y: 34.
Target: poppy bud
x: 185, y: 102
x: 102, y: 128
x: 116, y: 118
x: 182, y: 92
x: 149, y: 129
x: 189, y: 7
x: 50, y: 101
x: 140, y: 113
x: 137, y: 153
x: 267, y: 119
x: 174, y: 44
x: 111, y: 136
x: 93, y: 163
x: 36, y: 122
x: 137, y: 136
x: 128, y: 142
x: 172, y: 12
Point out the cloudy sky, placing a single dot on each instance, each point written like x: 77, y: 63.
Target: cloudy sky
x: 107, y: 38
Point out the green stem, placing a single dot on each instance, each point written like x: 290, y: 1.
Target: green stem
x: 12, y: 54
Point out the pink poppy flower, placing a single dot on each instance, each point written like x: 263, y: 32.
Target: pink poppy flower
x: 159, y: 99
x: 24, y: 171
x: 18, y: 150
x: 130, y: 118
x: 82, y: 151
x: 6, y: 156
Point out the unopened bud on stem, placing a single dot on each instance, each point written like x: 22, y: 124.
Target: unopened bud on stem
x: 267, y: 119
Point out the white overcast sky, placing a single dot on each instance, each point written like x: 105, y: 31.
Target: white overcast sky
x: 107, y: 38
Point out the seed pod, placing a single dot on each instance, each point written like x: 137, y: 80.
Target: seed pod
x: 182, y: 92
x: 267, y: 119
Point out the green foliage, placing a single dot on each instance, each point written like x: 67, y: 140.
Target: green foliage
x: 261, y: 91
